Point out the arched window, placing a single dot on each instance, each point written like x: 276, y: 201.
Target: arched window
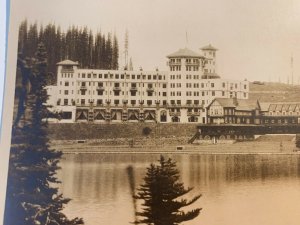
x: 163, y: 116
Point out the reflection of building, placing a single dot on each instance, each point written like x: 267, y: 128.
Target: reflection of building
x: 178, y: 95
x: 244, y: 111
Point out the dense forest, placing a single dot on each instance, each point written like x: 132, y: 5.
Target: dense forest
x: 98, y: 51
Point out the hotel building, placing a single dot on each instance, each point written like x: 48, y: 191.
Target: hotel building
x: 180, y: 94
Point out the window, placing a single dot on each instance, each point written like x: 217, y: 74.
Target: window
x: 116, y: 101
x: 213, y: 93
x: 105, y: 76
x: 66, y: 92
x: 149, y: 102
x: 67, y: 115
x: 82, y: 101
x: 164, y: 93
x: 117, y: 76
x: 178, y: 102
x: 65, y: 101
x: 67, y: 83
x: 164, y: 102
x: 83, y: 75
x: 212, y: 85
x: 133, y: 102
x: 133, y: 77
x: 245, y: 86
x: 99, y: 102
x: 164, y: 85
x: 223, y: 84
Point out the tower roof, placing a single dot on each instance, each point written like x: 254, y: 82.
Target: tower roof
x: 67, y: 62
x: 185, y: 52
x: 209, y: 47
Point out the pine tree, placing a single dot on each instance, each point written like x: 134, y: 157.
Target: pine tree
x: 77, y: 44
x: 115, y: 54
x: 31, y: 198
x: 160, y: 193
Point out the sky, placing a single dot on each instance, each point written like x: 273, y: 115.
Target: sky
x: 256, y: 39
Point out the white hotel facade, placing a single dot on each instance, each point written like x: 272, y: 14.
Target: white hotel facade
x: 180, y: 94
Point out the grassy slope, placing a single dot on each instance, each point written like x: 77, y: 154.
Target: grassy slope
x: 275, y: 92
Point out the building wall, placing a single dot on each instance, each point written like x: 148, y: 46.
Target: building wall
x: 177, y: 95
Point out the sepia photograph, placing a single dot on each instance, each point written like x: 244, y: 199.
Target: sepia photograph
x: 151, y: 112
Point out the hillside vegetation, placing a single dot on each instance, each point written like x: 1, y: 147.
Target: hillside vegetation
x: 275, y: 92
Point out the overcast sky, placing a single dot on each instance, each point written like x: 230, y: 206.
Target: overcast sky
x: 255, y: 38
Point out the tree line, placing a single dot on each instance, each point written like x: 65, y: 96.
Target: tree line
x: 96, y: 51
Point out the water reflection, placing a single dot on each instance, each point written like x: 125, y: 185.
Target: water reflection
x: 100, y: 188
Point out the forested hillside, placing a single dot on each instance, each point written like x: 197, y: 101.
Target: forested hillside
x: 98, y: 51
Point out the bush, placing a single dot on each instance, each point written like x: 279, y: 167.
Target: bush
x: 146, y: 131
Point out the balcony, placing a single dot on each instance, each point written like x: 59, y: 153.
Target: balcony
x: 133, y: 89
x: 175, y: 113
x: 197, y: 113
x: 150, y: 89
x: 173, y: 63
x: 193, y: 113
x: 71, y: 70
x: 116, y: 89
x: 100, y: 88
x: 192, y: 63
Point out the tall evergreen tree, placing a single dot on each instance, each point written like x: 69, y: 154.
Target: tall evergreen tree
x: 22, y: 42
x: 31, y: 198
x: 108, y: 52
x: 161, y: 192
x: 115, y: 54
x: 77, y: 44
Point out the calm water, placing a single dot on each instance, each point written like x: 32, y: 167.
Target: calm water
x: 236, y: 189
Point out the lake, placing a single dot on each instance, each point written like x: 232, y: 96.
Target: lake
x: 236, y: 189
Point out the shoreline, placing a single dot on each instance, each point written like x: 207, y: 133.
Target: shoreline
x: 270, y: 144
